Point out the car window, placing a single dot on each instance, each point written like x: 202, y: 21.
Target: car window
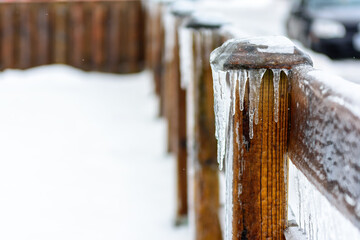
x: 318, y: 3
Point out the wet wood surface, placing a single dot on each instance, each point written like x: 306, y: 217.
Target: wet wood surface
x: 260, y: 167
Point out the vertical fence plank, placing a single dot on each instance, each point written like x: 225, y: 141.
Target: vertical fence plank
x: 123, y: 14
x: 76, y: 34
x: 42, y: 29
x: 115, y: 33
x: 60, y: 34
x: 132, y: 35
x: 98, y: 35
x: 8, y: 32
x: 25, y: 35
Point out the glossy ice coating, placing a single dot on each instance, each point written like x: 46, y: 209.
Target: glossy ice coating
x: 274, y: 52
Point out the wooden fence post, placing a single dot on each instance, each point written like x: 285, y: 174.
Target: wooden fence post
x: 176, y: 112
x: 155, y: 43
x: 251, y: 93
x: 197, y: 39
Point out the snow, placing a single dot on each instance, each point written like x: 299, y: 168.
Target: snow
x: 347, y: 91
x: 273, y: 44
x: 83, y: 157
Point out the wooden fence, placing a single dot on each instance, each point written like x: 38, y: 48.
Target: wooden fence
x: 91, y: 35
x: 271, y: 106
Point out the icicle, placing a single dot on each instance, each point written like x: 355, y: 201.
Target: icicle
x: 208, y: 42
x: 233, y: 82
x: 229, y: 184
x: 186, y: 56
x: 221, y: 107
x: 170, y: 33
x: 276, y: 82
x: 242, y: 85
x: 255, y: 77
x: 286, y: 71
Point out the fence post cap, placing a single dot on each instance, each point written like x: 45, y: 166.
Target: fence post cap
x: 271, y: 52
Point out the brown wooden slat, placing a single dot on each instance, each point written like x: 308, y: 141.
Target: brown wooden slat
x: 60, y: 32
x: 76, y: 35
x: 26, y: 35
x: 123, y: 47
x: 98, y: 35
x: 42, y: 29
x: 8, y: 33
x: 324, y: 141
x: 114, y: 35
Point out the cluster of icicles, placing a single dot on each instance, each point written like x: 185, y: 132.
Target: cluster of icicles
x: 225, y: 85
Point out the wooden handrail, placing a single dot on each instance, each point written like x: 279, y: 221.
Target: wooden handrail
x: 324, y: 137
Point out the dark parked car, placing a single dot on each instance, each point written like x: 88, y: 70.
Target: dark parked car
x: 328, y: 26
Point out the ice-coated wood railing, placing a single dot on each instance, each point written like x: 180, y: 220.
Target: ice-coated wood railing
x: 271, y: 106
x: 251, y: 97
x: 281, y: 108
x: 197, y: 38
x: 90, y: 35
x: 324, y: 137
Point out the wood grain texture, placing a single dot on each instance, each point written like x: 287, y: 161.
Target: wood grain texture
x: 8, y: 35
x: 260, y: 167
x: 324, y: 141
x: 98, y: 35
x: 76, y: 35
x: 26, y: 37
x: 41, y: 54
x: 60, y: 32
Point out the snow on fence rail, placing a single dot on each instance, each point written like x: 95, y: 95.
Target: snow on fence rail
x: 278, y: 108
x: 91, y: 35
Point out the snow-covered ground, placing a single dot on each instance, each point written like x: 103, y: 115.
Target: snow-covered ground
x: 82, y: 156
